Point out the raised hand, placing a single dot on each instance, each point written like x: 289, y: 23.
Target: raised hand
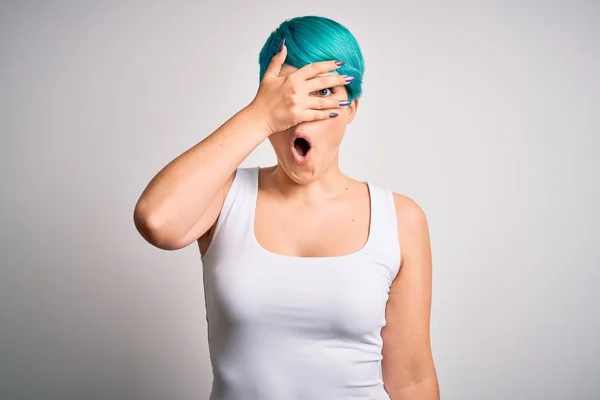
x: 285, y: 101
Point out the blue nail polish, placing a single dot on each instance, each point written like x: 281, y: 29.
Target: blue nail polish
x: 349, y: 78
x: 344, y: 102
x: 281, y: 45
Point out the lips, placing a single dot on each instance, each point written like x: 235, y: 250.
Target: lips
x: 301, y: 148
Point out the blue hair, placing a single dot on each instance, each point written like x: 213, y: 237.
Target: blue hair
x: 311, y: 39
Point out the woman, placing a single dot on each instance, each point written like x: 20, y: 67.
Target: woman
x: 308, y: 294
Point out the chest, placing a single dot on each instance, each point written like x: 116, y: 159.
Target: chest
x: 341, y: 296
x: 333, y: 229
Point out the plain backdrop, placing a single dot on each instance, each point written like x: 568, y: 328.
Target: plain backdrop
x: 486, y: 113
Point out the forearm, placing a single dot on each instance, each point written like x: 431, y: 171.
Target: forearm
x: 426, y: 389
x: 176, y: 198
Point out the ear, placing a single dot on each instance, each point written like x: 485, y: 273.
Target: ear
x: 352, y: 107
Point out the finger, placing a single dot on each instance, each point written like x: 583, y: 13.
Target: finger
x: 323, y: 103
x: 319, y: 115
x: 326, y: 81
x: 274, y: 67
x: 313, y: 69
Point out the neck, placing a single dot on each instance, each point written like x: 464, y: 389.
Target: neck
x: 331, y: 183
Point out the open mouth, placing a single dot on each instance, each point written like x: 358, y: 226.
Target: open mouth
x: 302, y: 146
x: 301, y: 150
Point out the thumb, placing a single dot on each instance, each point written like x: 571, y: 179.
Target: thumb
x: 276, y: 62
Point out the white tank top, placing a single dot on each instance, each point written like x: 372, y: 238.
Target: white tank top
x: 296, y: 328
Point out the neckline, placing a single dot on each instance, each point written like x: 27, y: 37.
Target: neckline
x: 269, y: 253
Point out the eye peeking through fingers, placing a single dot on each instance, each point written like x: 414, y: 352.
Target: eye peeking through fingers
x: 323, y: 92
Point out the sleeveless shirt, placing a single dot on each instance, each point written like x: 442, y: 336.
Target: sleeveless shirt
x: 296, y: 328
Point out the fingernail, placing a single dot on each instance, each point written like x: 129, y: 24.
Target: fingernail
x: 349, y: 78
x: 340, y: 62
x: 344, y: 102
x: 281, y: 45
x: 333, y: 115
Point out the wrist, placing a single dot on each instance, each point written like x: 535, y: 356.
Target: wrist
x: 256, y: 120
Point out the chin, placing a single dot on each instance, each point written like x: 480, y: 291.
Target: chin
x: 300, y: 174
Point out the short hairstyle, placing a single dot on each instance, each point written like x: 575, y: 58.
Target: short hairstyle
x: 311, y: 39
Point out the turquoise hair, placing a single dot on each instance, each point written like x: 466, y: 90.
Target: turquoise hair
x: 311, y: 39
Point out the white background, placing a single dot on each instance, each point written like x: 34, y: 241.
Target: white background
x: 485, y: 113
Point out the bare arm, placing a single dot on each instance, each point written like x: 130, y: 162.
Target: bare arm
x: 407, y: 365
x: 184, y: 199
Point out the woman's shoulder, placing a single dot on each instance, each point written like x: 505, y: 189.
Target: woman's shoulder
x: 412, y: 225
x: 407, y: 204
x: 409, y: 213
